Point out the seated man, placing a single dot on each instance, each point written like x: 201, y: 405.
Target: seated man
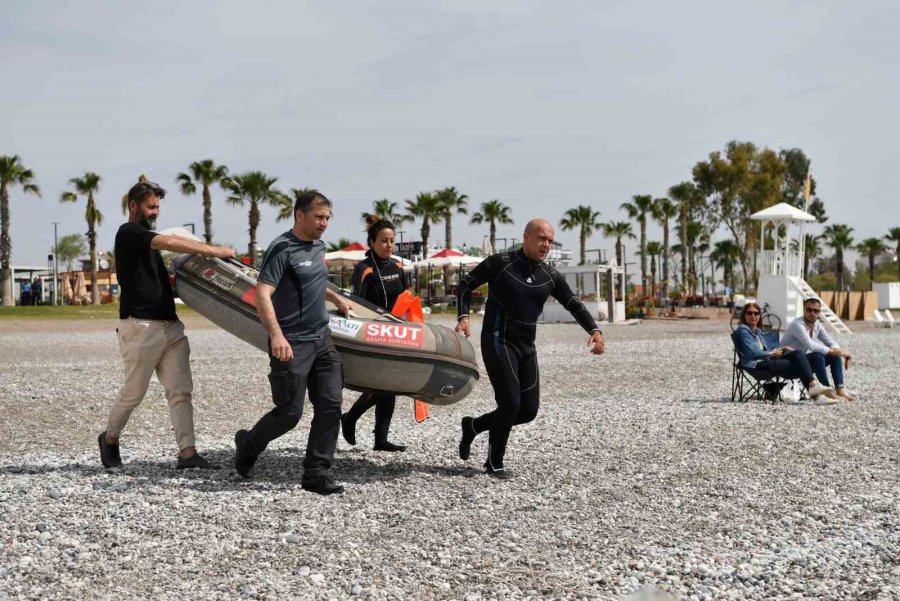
x: 809, y: 336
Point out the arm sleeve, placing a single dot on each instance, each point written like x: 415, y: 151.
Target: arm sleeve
x: 484, y: 272
x: 747, y: 345
x: 563, y: 293
x: 356, y: 278
x: 276, y: 263
x: 132, y: 236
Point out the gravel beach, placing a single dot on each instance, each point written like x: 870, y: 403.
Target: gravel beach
x: 638, y: 475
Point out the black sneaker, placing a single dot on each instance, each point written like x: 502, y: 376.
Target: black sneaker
x: 243, y: 460
x: 499, y: 473
x: 383, y: 445
x: 196, y: 461
x: 348, y: 429
x: 109, y: 453
x: 468, y: 435
x: 321, y: 485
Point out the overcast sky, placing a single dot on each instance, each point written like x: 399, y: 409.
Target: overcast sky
x: 542, y: 105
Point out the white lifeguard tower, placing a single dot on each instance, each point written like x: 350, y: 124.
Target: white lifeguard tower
x: 781, y: 282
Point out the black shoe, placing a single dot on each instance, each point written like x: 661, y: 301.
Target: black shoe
x: 243, y: 460
x: 194, y: 461
x: 468, y: 435
x: 499, y: 473
x: 109, y: 453
x: 321, y: 485
x: 348, y: 428
x: 384, y: 445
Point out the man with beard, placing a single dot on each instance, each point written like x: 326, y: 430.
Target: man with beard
x: 151, y: 337
x: 519, y: 283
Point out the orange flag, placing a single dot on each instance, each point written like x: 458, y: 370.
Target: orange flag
x: 409, y: 307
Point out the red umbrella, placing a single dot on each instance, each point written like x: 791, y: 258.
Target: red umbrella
x: 356, y: 246
x: 447, y: 252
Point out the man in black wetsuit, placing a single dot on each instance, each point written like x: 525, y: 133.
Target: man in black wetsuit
x: 519, y: 284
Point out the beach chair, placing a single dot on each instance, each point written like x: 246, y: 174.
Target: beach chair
x: 881, y: 321
x: 764, y: 384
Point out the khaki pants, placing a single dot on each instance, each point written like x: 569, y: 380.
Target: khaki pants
x: 149, y: 346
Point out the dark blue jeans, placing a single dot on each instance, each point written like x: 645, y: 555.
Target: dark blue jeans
x: 818, y: 361
x: 791, y: 365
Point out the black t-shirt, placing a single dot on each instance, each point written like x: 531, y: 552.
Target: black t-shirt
x: 146, y: 292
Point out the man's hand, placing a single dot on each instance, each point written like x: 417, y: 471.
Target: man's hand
x: 596, y: 344
x: 342, y: 305
x: 462, y: 326
x: 281, y: 348
x: 222, y: 252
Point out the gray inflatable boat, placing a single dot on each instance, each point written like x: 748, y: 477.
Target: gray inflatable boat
x: 380, y: 352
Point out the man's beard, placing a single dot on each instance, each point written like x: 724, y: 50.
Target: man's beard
x: 150, y: 224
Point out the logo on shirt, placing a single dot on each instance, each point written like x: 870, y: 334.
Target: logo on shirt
x: 342, y: 325
x: 306, y: 263
x: 394, y: 334
x: 217, y: 279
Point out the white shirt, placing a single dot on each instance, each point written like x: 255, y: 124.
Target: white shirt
x: 797, y: 336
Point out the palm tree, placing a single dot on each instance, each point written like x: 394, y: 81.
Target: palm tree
x: 341, y: 243
x: 254, y: 187
x: 585, y: 219
x: 429, y: 209
x: 654, y: 249
x: 12, y: 173
x: 451, y: 201
x: 696, y: 233
x: 871, y: 247
x: 688, y: 198
x: 142, y: 179
x: 838, y: 237
x: 86, y: 186
x: 894, y: 236
x: 812, y: 250
x: 207, y: 173
x: 724, y: 254
x: 618, y: 230
x: 641, y: 205
x: 388, y: 210
x: 664, y: 210
x: 494, y: 212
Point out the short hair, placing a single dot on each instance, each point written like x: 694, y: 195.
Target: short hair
x: 812, y: 299
x: 374, y: 224
x: 304, y: 200
x: 142, y: 190
x: 744, y: 311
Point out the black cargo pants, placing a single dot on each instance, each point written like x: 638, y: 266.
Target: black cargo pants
x: 316, y: 366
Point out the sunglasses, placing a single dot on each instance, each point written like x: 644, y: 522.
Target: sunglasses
x: 812, y: 310
x: 752, y: 313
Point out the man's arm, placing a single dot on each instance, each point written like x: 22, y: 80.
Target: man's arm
x: 483, y: 272
x: 185, y: 246
x: 563, y: 293
x: 281, y: 348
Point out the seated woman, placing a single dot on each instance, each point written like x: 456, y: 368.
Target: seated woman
x: 784, y: 361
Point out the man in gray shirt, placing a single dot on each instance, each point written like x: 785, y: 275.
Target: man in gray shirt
x: 290, y: 301
x: 807, y: 334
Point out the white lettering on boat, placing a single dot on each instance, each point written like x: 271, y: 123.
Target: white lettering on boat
x: 211, y: 275
x: 342, y: 325
x: 394, y: 334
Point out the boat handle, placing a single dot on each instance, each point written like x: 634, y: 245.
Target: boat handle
x: 447, y: 390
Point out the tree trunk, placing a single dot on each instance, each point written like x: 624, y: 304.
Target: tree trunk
x: 643, y: 221
x: 426, y: 230
x: 92, y: 244
x: 254, y: 223
x: 664, y: 285
x: 207, y: 214
x: 872, y: 271
x: 621, y: 264
x: 493, y: 236
x: 684, y: 248
x: 839, y: 258
x: 5, y: 249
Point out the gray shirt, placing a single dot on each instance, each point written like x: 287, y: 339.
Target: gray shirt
x: 297, y: 270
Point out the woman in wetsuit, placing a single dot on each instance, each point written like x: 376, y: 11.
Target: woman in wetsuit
x: 380, y: 280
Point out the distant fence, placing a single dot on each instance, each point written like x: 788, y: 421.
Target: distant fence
x: 851, y: 306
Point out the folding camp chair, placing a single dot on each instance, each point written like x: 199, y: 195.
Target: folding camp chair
x: 748, y: 383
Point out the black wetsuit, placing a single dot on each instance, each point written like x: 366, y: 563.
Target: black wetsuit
x: 517, y: 290
x: 379, y: 281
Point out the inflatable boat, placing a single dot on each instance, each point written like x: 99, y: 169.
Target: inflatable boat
x: 380, y: 352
